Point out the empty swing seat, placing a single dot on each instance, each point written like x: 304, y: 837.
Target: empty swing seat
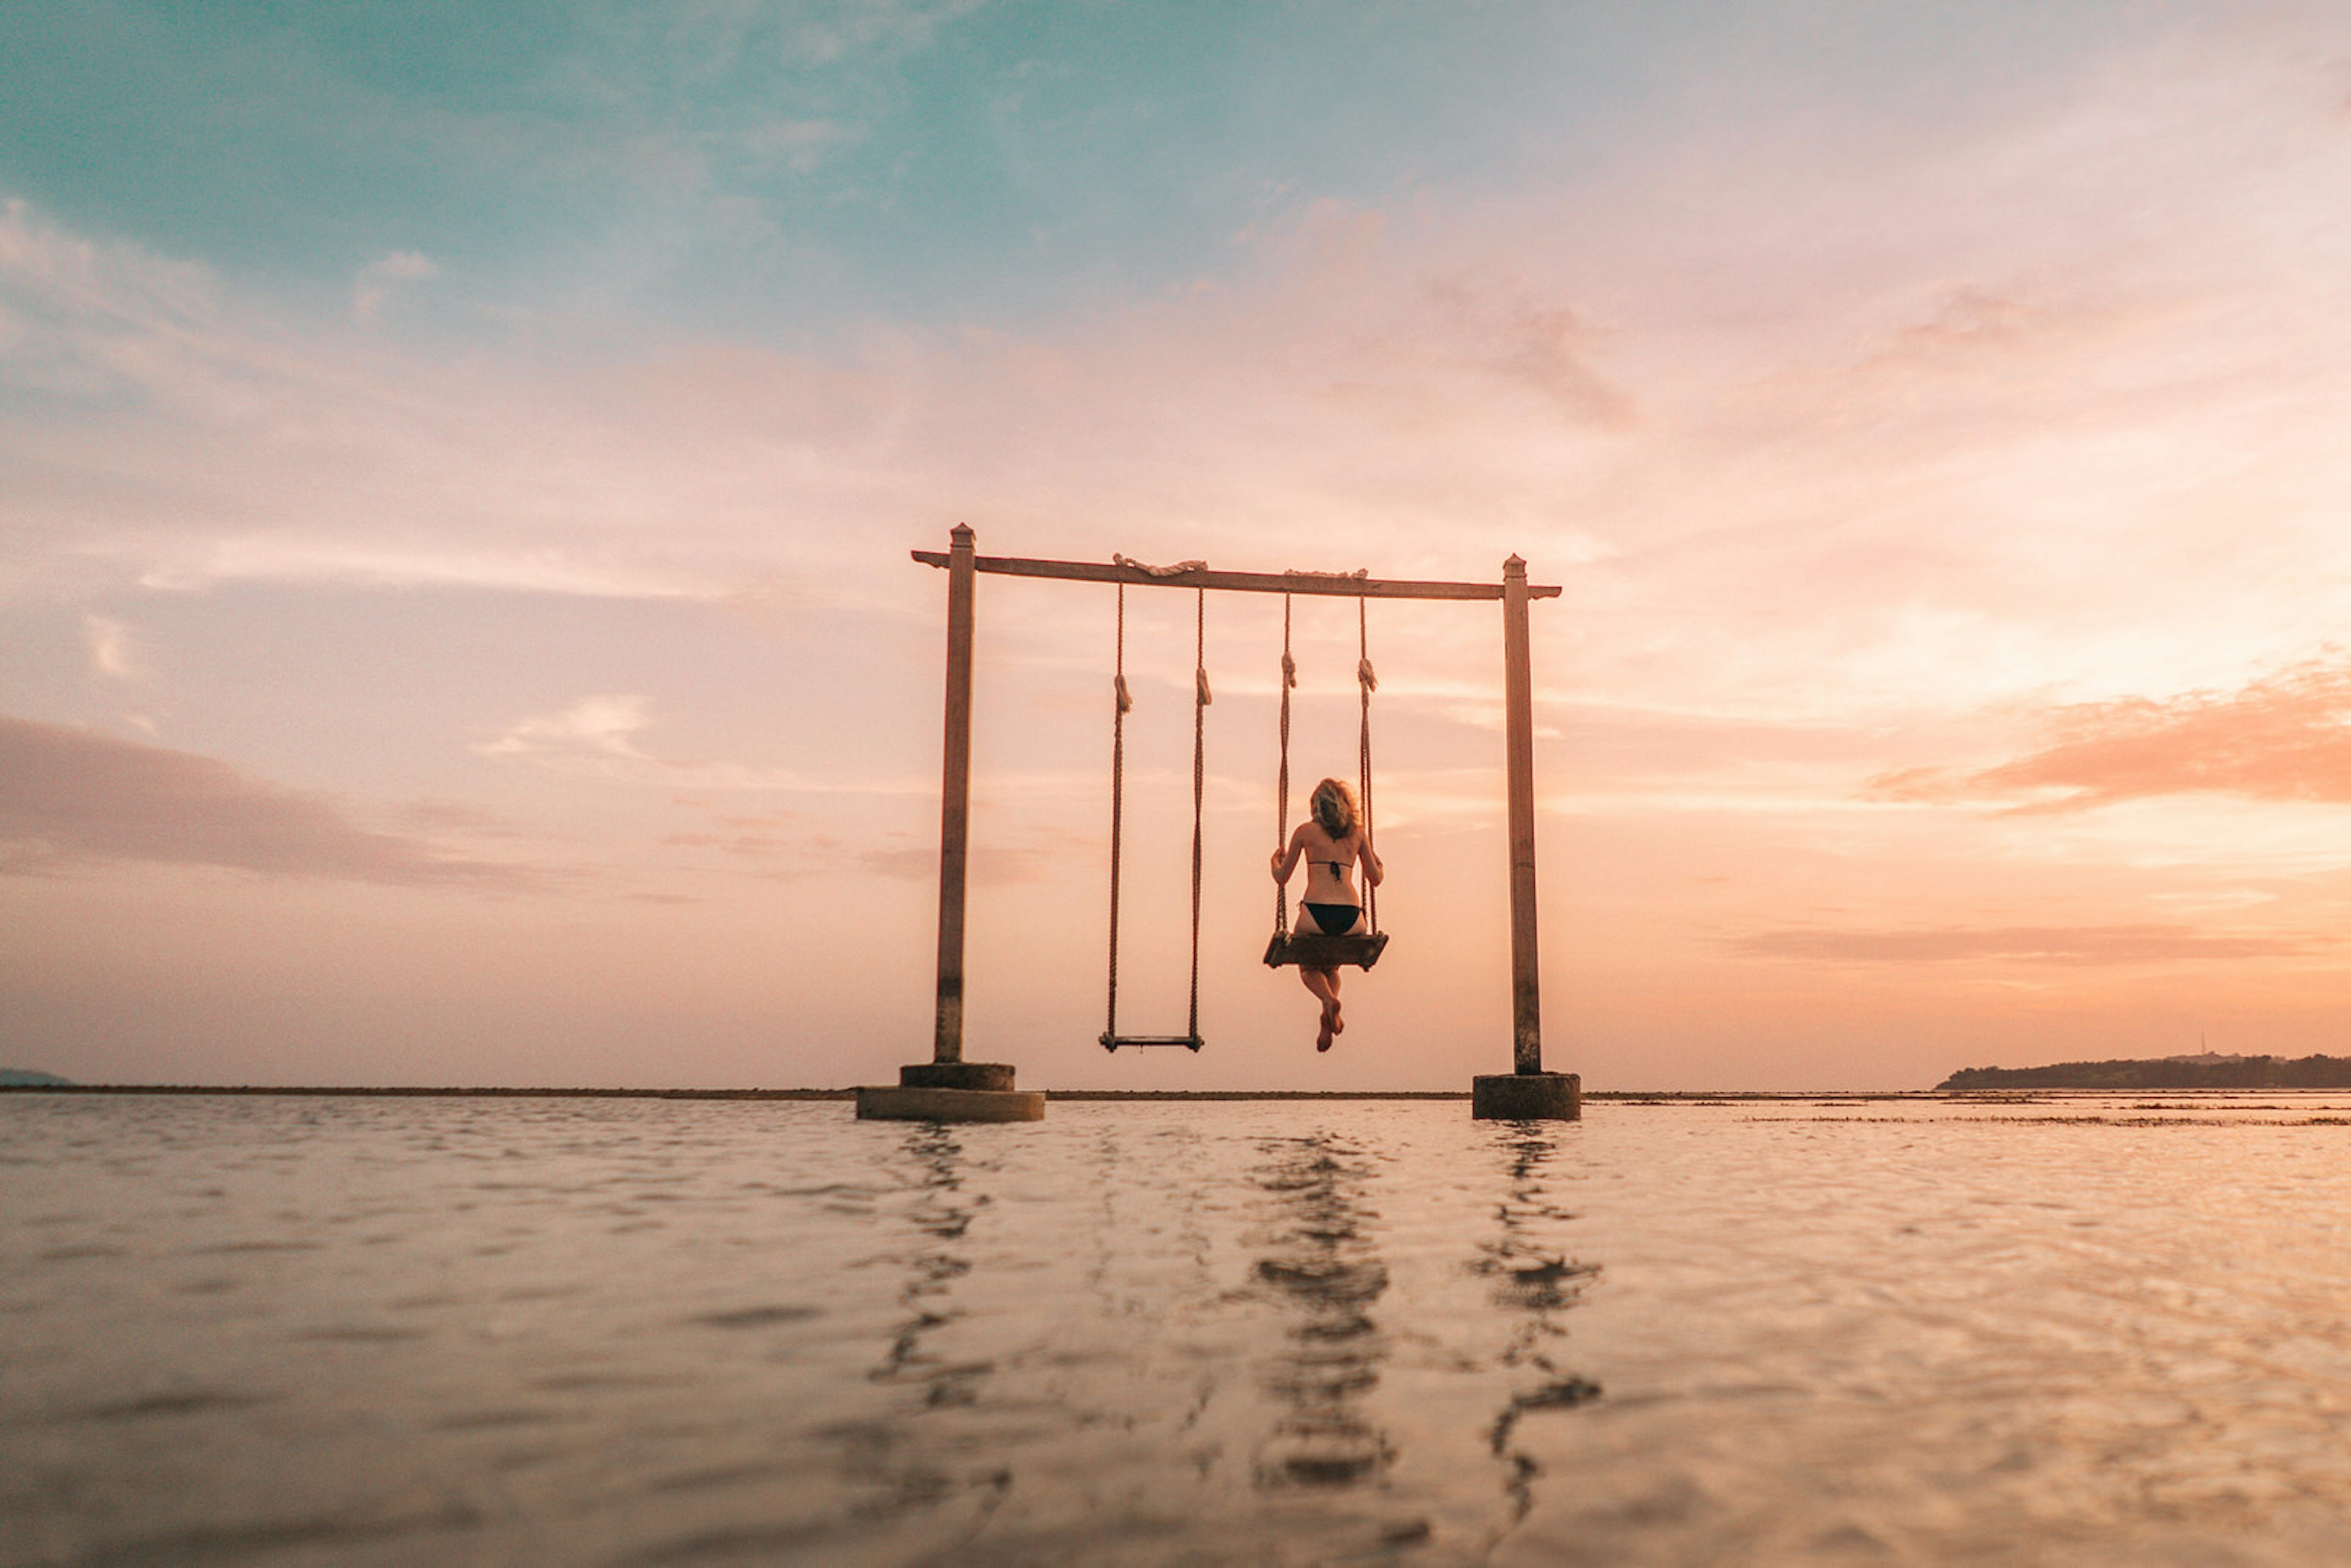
x: 1188, y: 1042
x: 1314, y: 951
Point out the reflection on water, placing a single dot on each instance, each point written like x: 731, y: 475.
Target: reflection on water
x: 942, y: 1214
x: 1325, y: 1269
x: 887, y: 1461
x: 1533, y: 1281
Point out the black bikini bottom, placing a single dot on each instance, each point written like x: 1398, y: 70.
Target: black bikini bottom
x: 1336, y: 919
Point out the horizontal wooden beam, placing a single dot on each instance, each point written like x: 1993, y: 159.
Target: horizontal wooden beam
x: 1333, y: 584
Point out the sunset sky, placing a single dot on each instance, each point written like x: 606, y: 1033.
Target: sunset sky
x: 458, y: 462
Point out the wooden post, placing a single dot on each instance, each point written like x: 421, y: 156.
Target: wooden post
x: 948, y: 1088
x: 954, y: 800
x: 1519, y: 724
x: 1528, y: 1092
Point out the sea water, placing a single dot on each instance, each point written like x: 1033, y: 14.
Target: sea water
x: 370, y: 1331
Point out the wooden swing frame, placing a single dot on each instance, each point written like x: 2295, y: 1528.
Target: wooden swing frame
x: 963, y: 564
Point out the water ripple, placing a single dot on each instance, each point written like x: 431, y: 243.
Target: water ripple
x: 395, y: 1332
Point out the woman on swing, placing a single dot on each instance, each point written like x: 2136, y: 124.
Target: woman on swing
x: 1333, y: 843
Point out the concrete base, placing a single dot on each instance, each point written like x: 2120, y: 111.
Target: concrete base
x: 1527, y: 1097
x: 995, y: 1075
x: 882, y: 1104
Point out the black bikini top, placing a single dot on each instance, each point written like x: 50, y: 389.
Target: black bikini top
x: 1341, y: 867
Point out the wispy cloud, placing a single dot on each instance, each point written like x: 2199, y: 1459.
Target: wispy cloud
x: 595, y: 728
x: 992, y: 865
x: 799, y: 145
x: 191, y: 436
x: 597, y: 734
x: 779, y: 845
x: 113, y: 652
x: 2079, y: 945
x: 381, y: 278
x: 2287, y: 738
x: 72, y: 797
x: 823, y: 34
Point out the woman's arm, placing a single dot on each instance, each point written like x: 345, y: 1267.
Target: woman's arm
x: 1285, y: 860
x: 1375, y: 872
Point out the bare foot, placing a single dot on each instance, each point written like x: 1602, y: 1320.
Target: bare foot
x: 1330, y: 1026
x: 1338, y: 1024
x: 1323, y: 1041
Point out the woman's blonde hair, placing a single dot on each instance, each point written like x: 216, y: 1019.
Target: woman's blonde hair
x: 1333, y: 806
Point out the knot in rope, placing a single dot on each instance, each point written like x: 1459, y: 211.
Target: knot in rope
x: 1371, y: 682
x: 1125, y: 702
x: 1200, y: 685
x: 1178, y: 569
x: 1289, y: 671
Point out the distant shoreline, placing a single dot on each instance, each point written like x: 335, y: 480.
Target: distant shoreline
x: 2165, y: 1075
x: 1620, y: 1096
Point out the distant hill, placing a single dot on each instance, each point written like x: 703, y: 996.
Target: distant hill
x: 2167, y: 1072
x: 26, y: 1077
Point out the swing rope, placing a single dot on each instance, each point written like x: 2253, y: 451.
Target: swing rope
x: 1281, y: 789
x: 1369, y: 683
x: 1200, y: 701
x: 1117, y: 806
x: 1201, y: 698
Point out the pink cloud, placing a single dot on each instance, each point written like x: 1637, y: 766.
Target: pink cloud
x: 2284, y: 739
x: 992, y: 865
x: 2083, y: 945
x: 72, y: 797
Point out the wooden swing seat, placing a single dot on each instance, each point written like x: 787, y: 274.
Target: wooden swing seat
x: 1320, y: 951
x: 1192, y: 1042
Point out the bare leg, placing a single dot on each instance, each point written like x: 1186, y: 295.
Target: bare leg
x: 1338, y: 1024
x: 1323, y: 983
